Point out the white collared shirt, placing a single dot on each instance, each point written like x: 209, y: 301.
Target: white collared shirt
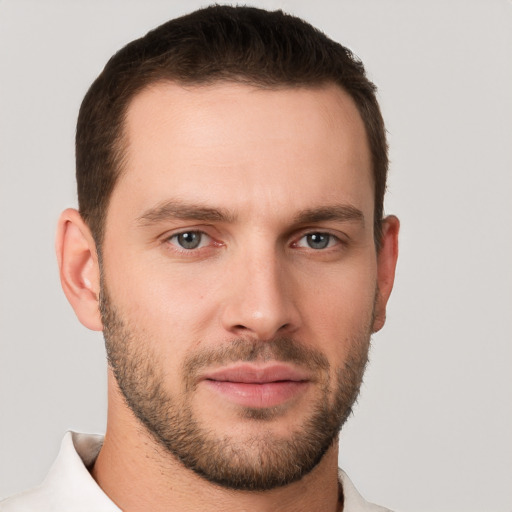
x: 69, y: 487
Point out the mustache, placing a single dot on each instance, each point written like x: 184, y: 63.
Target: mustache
x: 283, y: 349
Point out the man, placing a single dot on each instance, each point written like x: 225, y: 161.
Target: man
x: 230, y: 243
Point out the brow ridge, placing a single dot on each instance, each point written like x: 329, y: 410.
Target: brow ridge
x: 175, y: 209
x: 342, y: 212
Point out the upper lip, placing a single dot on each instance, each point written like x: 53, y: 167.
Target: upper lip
x: 254, y: 374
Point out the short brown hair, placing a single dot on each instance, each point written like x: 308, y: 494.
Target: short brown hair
x: 217, y: 43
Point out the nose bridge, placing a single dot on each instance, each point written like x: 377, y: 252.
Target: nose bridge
x: 260, y: 301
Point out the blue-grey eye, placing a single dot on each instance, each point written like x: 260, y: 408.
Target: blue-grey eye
x: 318, y: 240
x: 189, y: 239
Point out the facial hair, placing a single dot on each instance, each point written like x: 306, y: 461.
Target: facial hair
x: 258, y: 462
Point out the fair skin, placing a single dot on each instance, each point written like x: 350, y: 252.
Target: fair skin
x: 257, y: 175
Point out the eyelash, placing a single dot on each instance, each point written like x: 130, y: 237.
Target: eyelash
x: 332, y: 241
x: 194, y: 232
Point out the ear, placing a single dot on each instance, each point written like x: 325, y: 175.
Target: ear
x: 78, y: 267
x: 386, y: 264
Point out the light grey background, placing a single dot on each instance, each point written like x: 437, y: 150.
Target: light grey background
x: 433, y: 427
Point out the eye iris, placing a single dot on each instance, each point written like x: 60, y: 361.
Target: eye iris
x: 318, y: 240
x: 189, y: 240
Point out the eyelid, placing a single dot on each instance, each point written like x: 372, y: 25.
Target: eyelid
x: 173, y: 232
x: 338, y: 238
x: 205, y: 237
x: 207, y: 242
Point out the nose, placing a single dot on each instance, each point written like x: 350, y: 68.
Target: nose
x: 260, y: 299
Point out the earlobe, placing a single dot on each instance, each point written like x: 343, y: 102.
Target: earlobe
x: 386, y: 265
x: 79, y: 268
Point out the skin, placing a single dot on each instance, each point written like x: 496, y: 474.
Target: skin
x: 266, y: 158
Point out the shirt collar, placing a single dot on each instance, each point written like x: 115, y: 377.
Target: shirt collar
x: 352, y: 500
x: 70, y: 487
x: 69, y: 483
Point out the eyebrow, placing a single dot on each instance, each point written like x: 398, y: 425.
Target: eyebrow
x: 343, y: 213
x: 175, y: 209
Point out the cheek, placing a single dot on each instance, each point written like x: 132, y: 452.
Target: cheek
x: 173, y: 305
x: 339, y: 313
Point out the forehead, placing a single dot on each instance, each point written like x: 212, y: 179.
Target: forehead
x: 237, y: 143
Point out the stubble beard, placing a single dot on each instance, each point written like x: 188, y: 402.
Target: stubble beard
x: 259, y: 462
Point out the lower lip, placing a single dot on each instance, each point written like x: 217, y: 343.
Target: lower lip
x: 268, y: 394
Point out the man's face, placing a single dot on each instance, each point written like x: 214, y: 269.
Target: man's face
x: 240, y: 275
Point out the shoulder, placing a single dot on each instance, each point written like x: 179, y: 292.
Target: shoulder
x: 68, y: 487
x: 28, y: 501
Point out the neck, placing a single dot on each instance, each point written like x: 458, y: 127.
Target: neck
x: 139, y: 475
